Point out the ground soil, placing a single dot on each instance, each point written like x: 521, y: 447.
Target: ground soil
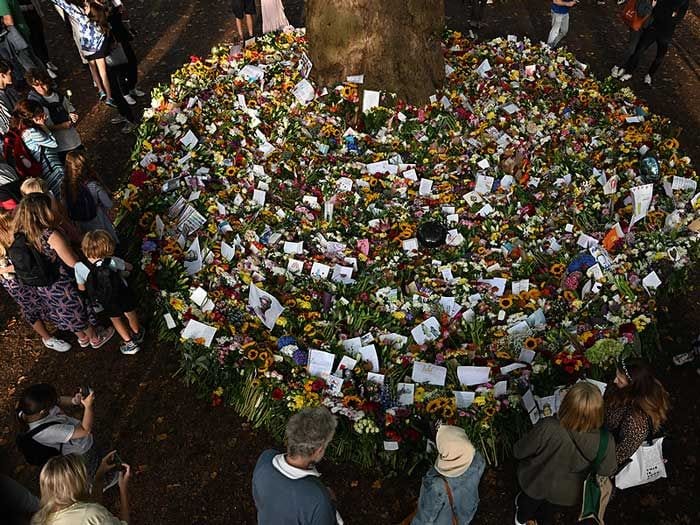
x: 193, y: 462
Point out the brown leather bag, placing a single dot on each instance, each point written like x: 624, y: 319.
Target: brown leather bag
x: 631, y: 18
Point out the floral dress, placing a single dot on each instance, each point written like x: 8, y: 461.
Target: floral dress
x: 26, y: 298
x: 63, y: 304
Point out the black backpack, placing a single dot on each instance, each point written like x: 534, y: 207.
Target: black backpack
x: 103, y: 284
x: 31, y: 267
x: 83, y: 208
x: 34, y: 452
x: 57, y: 112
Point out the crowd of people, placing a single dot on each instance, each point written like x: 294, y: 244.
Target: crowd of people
x: 58, y: 262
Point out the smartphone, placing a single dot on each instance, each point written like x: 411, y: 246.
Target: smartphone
x: 85, y: 391
x: 117, y: 461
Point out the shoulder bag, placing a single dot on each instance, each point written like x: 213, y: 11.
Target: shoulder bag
x: 647, y: 464
x: 592, y: 493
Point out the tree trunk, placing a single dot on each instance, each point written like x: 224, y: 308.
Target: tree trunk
x: 395, y: 44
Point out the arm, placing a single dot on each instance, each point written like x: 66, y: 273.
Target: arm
x: 63, y: 249
x: 41, y: 137
x: 85, y: 427
x: 7, y: 269
x: 633, y: 432
x: 68, y: 8
x: 102, y: 196
x: 124, y: 477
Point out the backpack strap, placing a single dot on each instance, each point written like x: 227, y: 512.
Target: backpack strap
x: 602, y: 448
x: 451, y: 499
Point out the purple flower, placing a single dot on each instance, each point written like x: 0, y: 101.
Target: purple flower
x: 301, y: 357
x: 149, y: 246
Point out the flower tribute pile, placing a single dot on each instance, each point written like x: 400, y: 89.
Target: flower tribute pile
x: 405, y: 265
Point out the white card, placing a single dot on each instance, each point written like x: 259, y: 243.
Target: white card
x: 463, y: 399
x: 295, y: 266
x: 320, y: 363
x: 500, y: 389
x: 320, y: 270
x: 342, y: 274
x: 484, y: 183
x: 425, y: 187
x: 199, y: 331
x: 346, y: 363
x: 428, y: 330
x: 404, y: 393
x: 189, y: 140
x: 429, y: 373
x: 410, y: 245
x: 370, y: 99
x: 373, y: 377
x: 293, y: 247
x: 352, y: 345
x: 228, y: 252
x: 369, y: 353
x: 304, y: 92
x: 473, y: 375
x: 526, y: 356
x: 169, y: 321
x: 505, y: 370
x: 259, y: 197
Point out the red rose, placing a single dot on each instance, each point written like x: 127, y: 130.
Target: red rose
x: 277, y: 394
x: 138, y: 178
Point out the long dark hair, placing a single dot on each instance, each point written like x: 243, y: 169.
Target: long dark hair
x: 78, y: 173
x: 34, y: 399
x: 644, y: 393
x: 97, y: 13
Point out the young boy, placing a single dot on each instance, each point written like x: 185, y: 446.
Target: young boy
x: 60, y: 113
x: 103, y: 280
x: 244, y: 8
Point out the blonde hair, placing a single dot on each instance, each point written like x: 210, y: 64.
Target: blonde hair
x: 34, y: 215
x: 6, y: 235
x: 97, y: 244
x: 582, y: 409
x: 33, y: 185
x: 63, y: 481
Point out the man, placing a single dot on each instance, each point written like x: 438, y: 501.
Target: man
x: 8, y: 96
x: 286, y: 487
x: 18, y: 36
x: 243, y: 8
x: 665, y: 17
x: 560, y: 21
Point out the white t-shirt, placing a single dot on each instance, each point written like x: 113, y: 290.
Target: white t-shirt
x: 62, y: 433
x: 82, y: 271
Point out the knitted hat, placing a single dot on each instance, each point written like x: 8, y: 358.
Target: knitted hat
x: 455, y: 451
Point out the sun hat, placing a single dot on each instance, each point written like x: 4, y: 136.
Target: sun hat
x: 455, y: 451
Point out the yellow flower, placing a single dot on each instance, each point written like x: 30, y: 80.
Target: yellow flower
x: 281, y: 321
x: 419, y: 394
x: 480, y: 401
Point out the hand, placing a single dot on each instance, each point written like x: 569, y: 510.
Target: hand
x: 106, y: 464
x: 73, y: 117
x: 88, y: 401
x: 124, y: 476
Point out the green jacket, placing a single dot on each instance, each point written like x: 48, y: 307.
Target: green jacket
x: 12, y: 8
x: 551, y: 468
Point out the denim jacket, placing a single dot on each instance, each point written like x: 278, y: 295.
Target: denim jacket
x: 434, y: 504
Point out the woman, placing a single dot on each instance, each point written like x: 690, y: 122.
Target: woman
x: 66, y: 497
x: 29, y: 122
x: 65, y: 225
x: 81, y: 178
x: 556, y: 455
x: 636, y: 406
x: 450, y: 489
x: 95, y: 41
x: 26, y: 297
x: 61, y: 300
x: 273, y: 16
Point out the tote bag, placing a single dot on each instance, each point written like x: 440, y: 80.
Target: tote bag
x: 116, y: 57
x: 647, y: 465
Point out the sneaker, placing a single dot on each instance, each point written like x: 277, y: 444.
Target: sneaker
x: 56, y: 344
x: 129, y: 348
x: 688, y: 357
x: 140, y: 335
x: 625, y: 77
x: 647, y: 79
x: 101, y: 95
x: 84, y: 343
x: 103, y: 336
x: 51, y: 74
x: 616, y: 72
x: 128, y: 128
x: 136, y: 92
x: 50, y: 65
x: 118, y: 120
x: 130, y: 100
x: 110, y: 102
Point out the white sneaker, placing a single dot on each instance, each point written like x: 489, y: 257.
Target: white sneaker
x: 56, y: 344
x: 51, y: 74
x: 647, y: 79
x: 616, y: 72
x: 130, y: 100
x: 136, y: 92
x: 118, y: 120
x: 625, y: 77
x: 53, y: 67
x: 516, y: 511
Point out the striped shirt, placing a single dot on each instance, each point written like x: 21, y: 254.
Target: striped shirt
x: 91, y: 36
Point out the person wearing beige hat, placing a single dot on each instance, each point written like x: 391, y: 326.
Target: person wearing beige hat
x: 449, y: 493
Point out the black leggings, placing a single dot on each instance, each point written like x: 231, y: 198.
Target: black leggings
x: 128, y: 75
x: 535, y: 509
x: 36, y: 34
x: 649, y: 36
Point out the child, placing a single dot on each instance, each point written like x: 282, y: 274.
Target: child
x: 85, y: 196
x: 102, y: 279
x: 60, y: 113
x: 34, y: 185
x: 40, y: 404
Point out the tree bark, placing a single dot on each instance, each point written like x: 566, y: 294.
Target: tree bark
x: 395, y: 44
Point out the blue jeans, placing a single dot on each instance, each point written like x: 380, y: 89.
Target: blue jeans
x: 15, y: 500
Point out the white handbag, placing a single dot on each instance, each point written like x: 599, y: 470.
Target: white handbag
x: 647, y: 465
